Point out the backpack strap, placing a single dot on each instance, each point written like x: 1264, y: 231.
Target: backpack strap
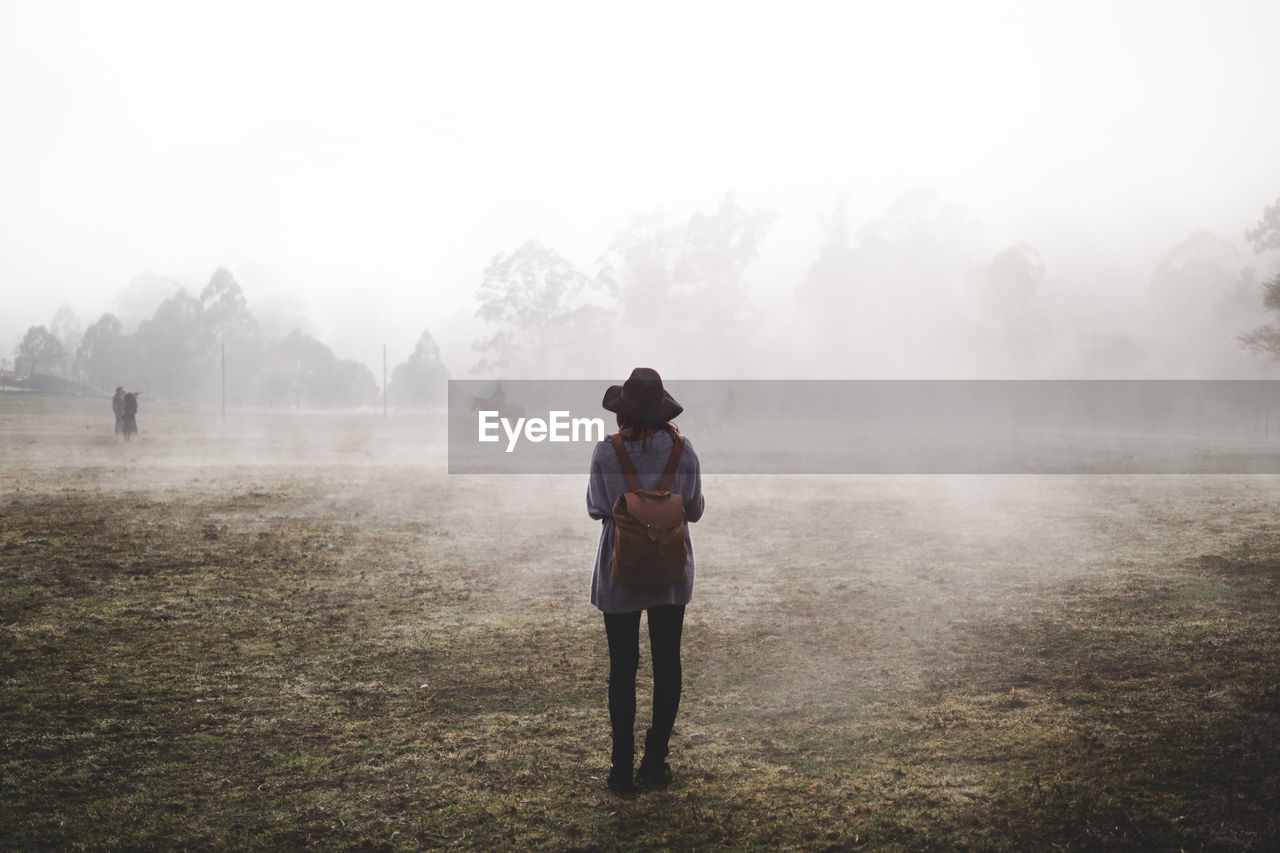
x: 668, y: 474
x: 677, y: 447
x: 633, y: 482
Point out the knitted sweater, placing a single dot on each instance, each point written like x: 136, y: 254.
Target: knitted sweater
x: 606, y: 482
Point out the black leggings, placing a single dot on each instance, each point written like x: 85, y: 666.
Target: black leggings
x: 666, y: 622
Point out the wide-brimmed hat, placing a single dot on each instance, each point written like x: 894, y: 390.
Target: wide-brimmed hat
x: 641, y: 399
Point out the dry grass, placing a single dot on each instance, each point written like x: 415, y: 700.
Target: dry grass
x: 303, y: 633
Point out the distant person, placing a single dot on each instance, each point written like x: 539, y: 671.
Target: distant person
x: 130, y: 425
x: 117, y: 406
x: 644, y: 414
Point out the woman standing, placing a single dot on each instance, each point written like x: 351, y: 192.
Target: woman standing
x: 117, y: 406
x: 130, y: 414
x: 644, y: 413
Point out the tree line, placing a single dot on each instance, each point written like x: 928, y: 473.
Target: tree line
x: 194, y: 347
x: 909, y: 293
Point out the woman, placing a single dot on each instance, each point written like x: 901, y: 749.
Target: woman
x: 644, y: 413
x: 130, y: 414
x: 117, y: 406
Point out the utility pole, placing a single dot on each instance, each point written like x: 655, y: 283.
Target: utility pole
x: 384, y: 380
x: 224, y: 383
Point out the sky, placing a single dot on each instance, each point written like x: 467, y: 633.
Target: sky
x: 370, y: 158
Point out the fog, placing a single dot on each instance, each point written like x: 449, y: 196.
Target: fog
x: 286, y: 207
x: 876, y: 191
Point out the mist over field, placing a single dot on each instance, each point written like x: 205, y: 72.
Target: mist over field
x: 308, y: 606
x: 295, y: 629
x: 914, y: 190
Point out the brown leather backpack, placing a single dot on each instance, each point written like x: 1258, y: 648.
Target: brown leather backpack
x: 648, y: 526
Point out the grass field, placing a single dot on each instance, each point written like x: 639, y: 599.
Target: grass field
x: 296, y: 630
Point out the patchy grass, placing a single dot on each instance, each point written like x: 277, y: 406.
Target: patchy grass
x: 209, y: 646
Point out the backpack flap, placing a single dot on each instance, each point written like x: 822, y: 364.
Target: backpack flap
x: 659, y: 512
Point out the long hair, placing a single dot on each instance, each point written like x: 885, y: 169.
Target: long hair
x: 643, y: 432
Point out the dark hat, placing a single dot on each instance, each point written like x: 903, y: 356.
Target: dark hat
x: 641, y: 399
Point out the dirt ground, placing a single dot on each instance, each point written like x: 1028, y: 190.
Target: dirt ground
x: 292, y: 630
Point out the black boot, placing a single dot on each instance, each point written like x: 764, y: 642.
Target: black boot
x: 619, y: 780
x: 654, y: 771
x: 624, y: 751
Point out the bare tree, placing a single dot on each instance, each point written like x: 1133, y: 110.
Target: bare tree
x: 919, y: 260
x: 639, y: 270
x: 169, y: 346
x: 718, y: 249
x: 1015, y: 326
x: 103, y: 354
x: 1199, y: 297
x: 38, y: 346
x: 225, y: 313
x: 833, y: 273
x: 535, y: 298
x: 66, y: 328
x: 1267, y: 233
x: 682, y: 287
x: 1266, y: 339
x: 300, y: 371
x: 229, y: 336
x: 421, y: 379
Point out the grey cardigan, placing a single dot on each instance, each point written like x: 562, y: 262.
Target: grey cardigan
x: 603, y: 487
